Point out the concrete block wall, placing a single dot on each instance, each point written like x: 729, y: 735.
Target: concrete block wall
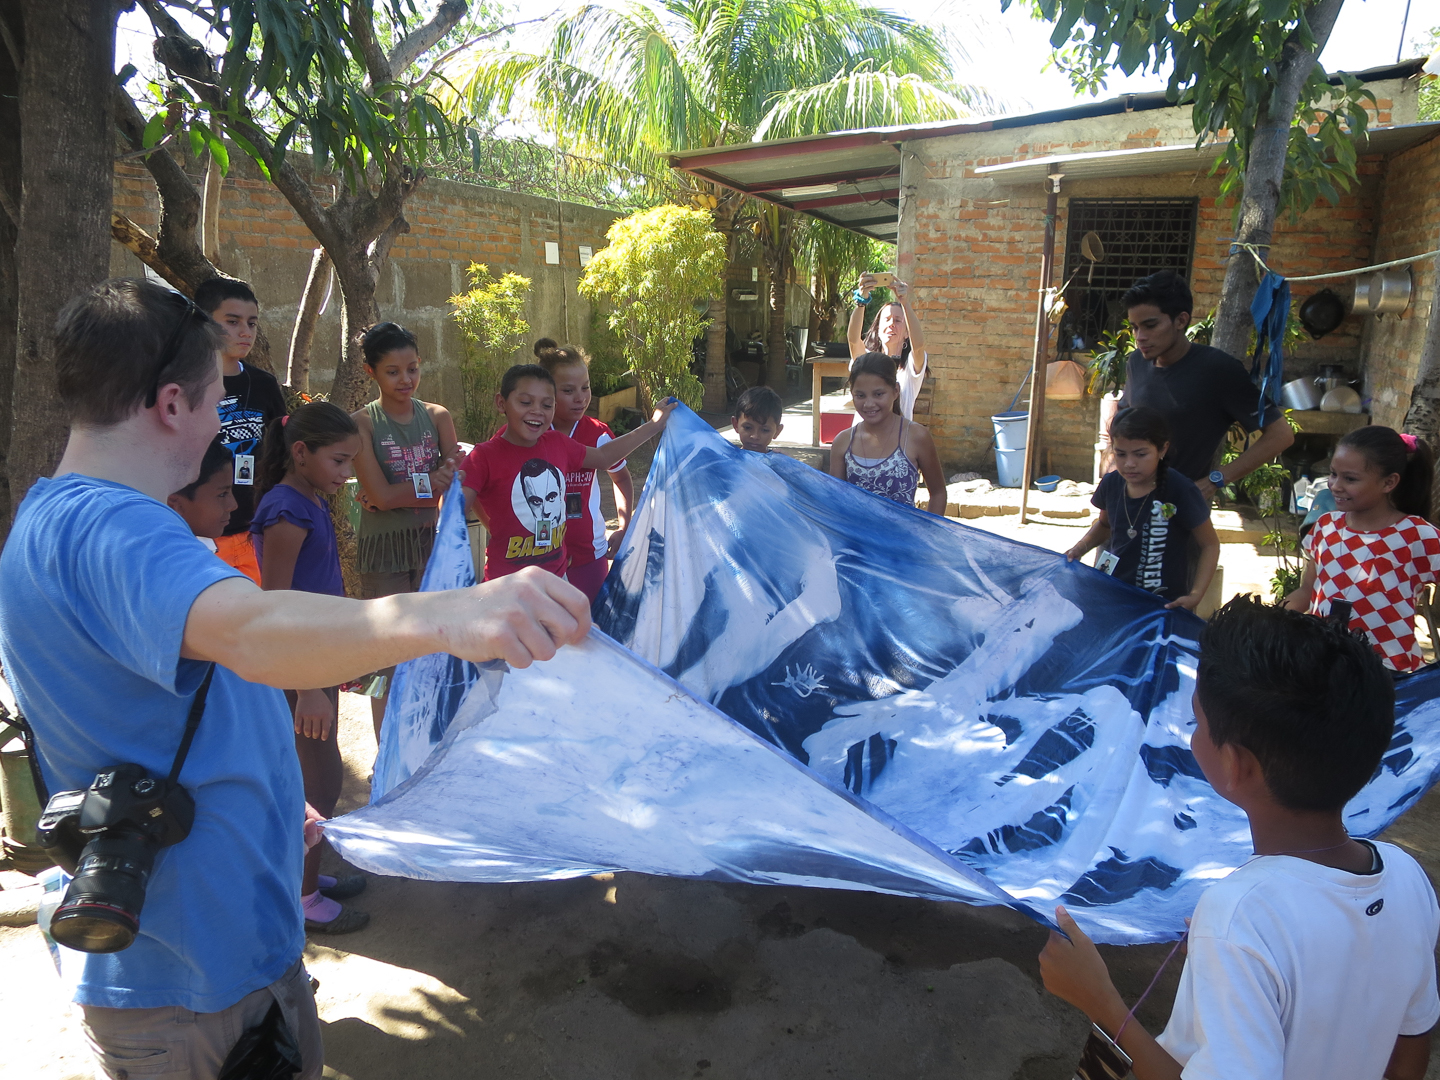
x: 451, y: 225
x: 972, y: 247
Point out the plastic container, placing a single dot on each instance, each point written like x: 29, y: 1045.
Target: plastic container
x: 1046, y: 483
x: 1011, y: 431
x: 1009, y: 467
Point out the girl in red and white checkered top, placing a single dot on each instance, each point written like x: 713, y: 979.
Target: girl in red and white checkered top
x: 1378, y: 547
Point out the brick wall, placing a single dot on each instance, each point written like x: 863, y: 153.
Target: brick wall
x: 451, y: 225
x: 972, y: 246
x: 1409, y: 225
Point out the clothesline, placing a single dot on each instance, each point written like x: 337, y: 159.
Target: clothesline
x: 1255, y: 254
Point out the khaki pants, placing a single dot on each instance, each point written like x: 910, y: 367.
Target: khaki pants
x: 175, y: 1042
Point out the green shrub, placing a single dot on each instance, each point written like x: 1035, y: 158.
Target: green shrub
x: 491, y: 317
x: 657, y: 264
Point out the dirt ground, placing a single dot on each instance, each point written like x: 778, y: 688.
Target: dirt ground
x: 640, y: 977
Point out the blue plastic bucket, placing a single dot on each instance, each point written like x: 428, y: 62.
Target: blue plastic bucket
x: 1011, y: 431
x: 1010, y: 466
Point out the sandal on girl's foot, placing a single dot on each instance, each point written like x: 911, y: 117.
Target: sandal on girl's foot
x: 343, y: 888
x: 325, y: 916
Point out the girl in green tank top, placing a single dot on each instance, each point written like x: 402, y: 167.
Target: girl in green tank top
x: 403, y: 439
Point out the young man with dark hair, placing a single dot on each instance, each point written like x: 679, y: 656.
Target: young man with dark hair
x: 1199, y: 390
x: 111, y: 615
x: 757, y: 418
x: 252, y: 399
x: 1315, y: 960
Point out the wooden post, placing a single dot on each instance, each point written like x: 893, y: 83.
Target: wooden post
x: 815, y: 403
x: 1042, y: 335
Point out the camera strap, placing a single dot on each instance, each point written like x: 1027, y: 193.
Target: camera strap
x: 197, y: 709
x: 27, y: 736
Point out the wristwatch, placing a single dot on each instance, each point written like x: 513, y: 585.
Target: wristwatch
x: 1217, y: 478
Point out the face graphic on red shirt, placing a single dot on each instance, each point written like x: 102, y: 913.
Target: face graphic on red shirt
x: 538, y: 499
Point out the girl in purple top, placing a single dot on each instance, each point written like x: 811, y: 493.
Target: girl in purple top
x: 304, y: 457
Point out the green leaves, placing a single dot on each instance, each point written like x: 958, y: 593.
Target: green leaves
x: 491, y: 317
x: 633, y: 82
x: 657, y: 264
x: 289, y: 67
x: 1223, y: 57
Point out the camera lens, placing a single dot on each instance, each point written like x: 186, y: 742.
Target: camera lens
x: 101, y: 909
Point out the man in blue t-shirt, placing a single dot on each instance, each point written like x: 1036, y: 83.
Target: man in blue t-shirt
x: 110, y: 613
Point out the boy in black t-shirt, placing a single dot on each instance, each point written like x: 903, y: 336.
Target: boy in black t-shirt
x: 1199, y: 390
x: 252, y: 400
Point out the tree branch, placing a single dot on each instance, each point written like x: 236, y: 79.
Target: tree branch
x: 178, y: 247
x: 409, y: 49
x: 143, y: 246
x: 362, y: 29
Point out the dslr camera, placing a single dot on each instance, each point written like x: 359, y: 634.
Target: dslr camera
x: 107, y: 837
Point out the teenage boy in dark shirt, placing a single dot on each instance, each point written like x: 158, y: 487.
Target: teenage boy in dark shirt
x: 1199, y: 390
x: 252, y: 399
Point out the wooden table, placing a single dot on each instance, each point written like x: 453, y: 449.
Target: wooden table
x: 1317, y: 422
x: 821, y: 368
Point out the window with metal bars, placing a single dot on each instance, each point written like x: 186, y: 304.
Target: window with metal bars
x: 1141, y: 237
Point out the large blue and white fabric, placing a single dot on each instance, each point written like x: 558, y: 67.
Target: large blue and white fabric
x: 802, y: 683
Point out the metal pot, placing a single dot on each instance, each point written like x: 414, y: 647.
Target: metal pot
x: 1299, y: 394
x: 1389, y: 291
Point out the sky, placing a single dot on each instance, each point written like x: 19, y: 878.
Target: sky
x: 1006, y: 53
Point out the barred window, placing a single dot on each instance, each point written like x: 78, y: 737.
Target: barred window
x: 1141, y: 236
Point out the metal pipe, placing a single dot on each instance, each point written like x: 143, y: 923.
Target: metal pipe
x: 1042, y: 336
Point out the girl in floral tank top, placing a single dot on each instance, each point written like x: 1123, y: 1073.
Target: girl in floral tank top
x: 884, y: 453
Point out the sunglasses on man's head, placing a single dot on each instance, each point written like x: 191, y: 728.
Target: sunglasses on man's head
x: 172, y: 346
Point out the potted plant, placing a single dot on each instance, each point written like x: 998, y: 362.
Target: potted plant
x: 1107, y: 378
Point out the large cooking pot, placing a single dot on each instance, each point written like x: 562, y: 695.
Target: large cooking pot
x: 1389, y: 291
x: 1300, y: 395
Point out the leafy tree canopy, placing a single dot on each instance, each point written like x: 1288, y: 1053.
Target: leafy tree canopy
x: 1222, y: 58
x: 632, y: 81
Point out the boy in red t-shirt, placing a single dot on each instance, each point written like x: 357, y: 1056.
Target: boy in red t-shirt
x: 515, y: 482
x: 586, y: 544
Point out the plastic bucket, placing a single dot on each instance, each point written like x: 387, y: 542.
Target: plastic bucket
x: 1011, y: 431
x: 1009, y: 467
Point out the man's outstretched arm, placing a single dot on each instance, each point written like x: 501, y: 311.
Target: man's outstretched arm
x: 306, y: 639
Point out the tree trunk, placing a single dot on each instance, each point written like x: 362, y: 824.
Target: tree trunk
x: 358, y: 309
x: 13, y: 38
x: 1264, y: 174
x: 775, y: 370
x: 67, y: 181
x: 716, y: 399
x: 316, y: 286
x: 1423, y: 417
x: 210, y: 212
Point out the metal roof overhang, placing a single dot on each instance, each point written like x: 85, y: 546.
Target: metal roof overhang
x: 1156, y: 160
x: 864, y: 166
x: 862, y: 171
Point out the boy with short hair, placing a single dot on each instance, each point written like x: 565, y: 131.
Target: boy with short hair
x: 252, y: 400
x: 1315, y: 959
x: 1200, y: 390
x: 757, y: 418
x: 207, y: 504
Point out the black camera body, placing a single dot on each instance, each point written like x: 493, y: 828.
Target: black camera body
x: 107, y: 836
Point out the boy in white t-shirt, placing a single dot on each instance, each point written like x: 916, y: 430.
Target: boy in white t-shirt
x: 1315, y: 959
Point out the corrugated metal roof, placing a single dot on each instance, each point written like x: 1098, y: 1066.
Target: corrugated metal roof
x: 854, y: 176
x: 1155, y: 160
